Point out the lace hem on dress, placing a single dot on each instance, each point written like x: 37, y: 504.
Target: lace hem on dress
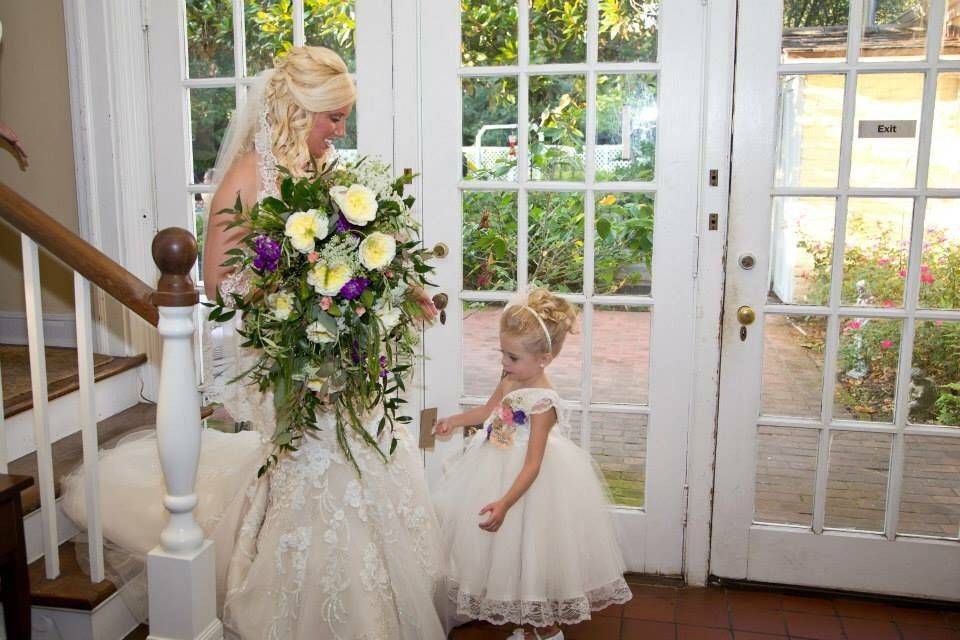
x: 540, y: 613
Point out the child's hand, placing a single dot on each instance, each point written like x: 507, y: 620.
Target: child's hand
x: 444, y: 427
x: 498, y: 511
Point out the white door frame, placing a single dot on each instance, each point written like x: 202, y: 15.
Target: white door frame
x: 653, y: 537
x: 775, y: 553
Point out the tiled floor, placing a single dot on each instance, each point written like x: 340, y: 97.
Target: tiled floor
x: 716, y: 613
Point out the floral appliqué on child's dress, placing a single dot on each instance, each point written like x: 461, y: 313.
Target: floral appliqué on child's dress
x: 503, y: 424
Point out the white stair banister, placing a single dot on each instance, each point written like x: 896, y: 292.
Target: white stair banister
x: 88, y: 425
x: 41, y: 426
x: 181, y: 570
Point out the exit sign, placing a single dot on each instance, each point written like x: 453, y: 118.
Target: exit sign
x: 888, y: 128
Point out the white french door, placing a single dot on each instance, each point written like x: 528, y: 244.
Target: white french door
x: 573, y: 163
x: 204, y: 55
x: 838, y: 443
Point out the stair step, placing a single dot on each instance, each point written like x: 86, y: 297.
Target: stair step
x: 68, y: 451
x: 62, y: 376
x: 72, y: 589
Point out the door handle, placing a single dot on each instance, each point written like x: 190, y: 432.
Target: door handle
x: 440, y: 301
x: 745, y: 316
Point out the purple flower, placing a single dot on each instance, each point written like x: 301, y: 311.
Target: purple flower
x: 343, y: 225
x: 353, y: 288
x: 268, y: 254
x: 519, y: 417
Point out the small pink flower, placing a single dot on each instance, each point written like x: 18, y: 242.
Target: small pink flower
x: 312, y: 257
x: 938, y: 322
x: 887, y: 303
x: 854, y: 324
x: 506, y: 415
x: 886, y: 344
x: 389, y: 274
x: 361, y: 310
x: 927, y: 278
x: 326, y: 302
x: 903, y: 273
x: 883, y: 261
x: 924, y: 268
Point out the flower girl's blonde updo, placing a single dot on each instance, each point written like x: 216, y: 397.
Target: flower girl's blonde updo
x: 559, y: 318
x: 306, y: 80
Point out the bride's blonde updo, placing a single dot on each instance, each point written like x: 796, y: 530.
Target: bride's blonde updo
x: 559, y: 318
x: 306, y: 80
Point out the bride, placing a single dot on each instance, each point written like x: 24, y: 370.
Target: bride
x: 311, y: 549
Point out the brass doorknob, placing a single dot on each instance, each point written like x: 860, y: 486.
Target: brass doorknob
x: 440, y: 301
x: 746, y: 315
x: 440, y: 250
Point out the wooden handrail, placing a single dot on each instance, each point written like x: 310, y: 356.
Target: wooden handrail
x: 78, y: 254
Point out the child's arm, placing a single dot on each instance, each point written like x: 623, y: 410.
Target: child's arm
x: 476, y: 415
x: 540, y: 425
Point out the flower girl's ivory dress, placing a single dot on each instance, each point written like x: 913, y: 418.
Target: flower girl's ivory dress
x: 556, y: 557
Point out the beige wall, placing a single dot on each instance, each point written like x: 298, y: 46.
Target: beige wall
x: 35, y: 101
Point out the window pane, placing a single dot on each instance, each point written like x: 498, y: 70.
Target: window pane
x: 801, y: 248
x: 618, y: 442
x: 857, y: 480
x: 557, y: 127
x: 628, y: 30
x: 332, y: 25
x: 621, y: 355
x: 558, y: 31
x: 811, y: 116
x: 210, y: 38
x: 566, y: 372
x: 490, y: 240
x: 481, y: 348
x: 944, y: 168
x: 951, y: 35
x: 269, y: 31
x: 886, y: 162
x: 490, y: 128
x: 875, y: 256
x: 793, y: 349
x: 555, y: 241
x: 867, y: 369
x: 895, y: 29
x: 814, y: 31
x: 929, y: 504
x: 210, y: 112
x: 623, y: 245
x: 626, y: 127
x: 786, y: 470
x: 488, y: 29
x: 935, y: 377
x: 940, y: 264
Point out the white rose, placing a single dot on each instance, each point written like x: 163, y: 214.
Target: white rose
x: 358, y: 203
x: 328, y: 280
x: 281, y: 304
x: 304, y: 227
x: 318, y: 334
x: 389, y: 316
x: 377, y: 250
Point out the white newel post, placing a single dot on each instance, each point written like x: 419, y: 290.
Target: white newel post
x: 180, y: 570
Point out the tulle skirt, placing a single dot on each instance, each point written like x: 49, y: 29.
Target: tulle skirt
x: 555, y: 559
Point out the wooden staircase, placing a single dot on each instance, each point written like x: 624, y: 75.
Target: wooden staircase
x: 71, y: 593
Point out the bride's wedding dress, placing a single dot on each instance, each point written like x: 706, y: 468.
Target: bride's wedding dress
x: 311, y: 550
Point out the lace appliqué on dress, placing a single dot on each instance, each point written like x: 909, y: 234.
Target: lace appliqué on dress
x: 540, y: 613
x: 266, y: 161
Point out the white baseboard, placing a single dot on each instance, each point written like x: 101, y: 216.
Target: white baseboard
x: 59, y: 329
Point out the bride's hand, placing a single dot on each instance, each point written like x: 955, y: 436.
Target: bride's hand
x: 444, y: 427
x: 427, y: 308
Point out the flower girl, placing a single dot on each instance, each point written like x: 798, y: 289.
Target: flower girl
x: 526, y: 534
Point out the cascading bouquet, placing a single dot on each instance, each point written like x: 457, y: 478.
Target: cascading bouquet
x: 326, y: 270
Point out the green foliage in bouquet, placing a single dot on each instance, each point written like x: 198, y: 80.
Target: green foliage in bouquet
x: 322, y: 284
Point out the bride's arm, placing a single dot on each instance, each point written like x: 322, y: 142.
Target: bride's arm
x: 240, y: 178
